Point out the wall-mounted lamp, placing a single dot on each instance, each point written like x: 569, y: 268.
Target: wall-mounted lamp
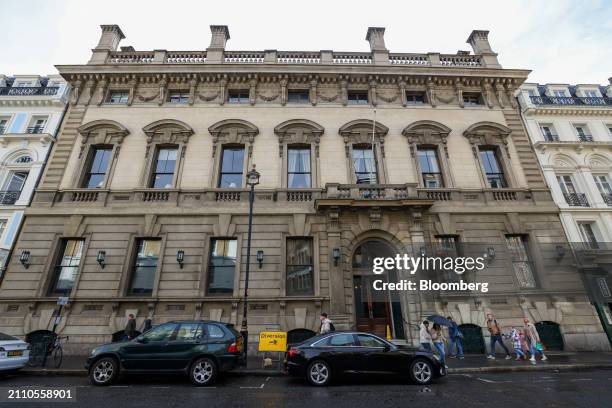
x: 489, y: 254
x: 560, y: 252
x: 260, y: 254
x: 180, y: 257
x: 336, y: 255
x: 101, y: 258
x: 24, y: 258
x: 422, y: 252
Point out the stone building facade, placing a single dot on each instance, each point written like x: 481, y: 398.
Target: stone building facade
x: 31, y: 111
x: 143, y: 207
x: 571, y: 129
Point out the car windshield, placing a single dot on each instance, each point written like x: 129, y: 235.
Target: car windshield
x: 6, y: 337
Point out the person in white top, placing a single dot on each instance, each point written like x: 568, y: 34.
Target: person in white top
x: 425, y: 336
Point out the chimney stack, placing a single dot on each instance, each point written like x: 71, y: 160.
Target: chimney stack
x: 109, y: 41
x: 376, y: 38
x: 479, y: 40
x: 216, y: 49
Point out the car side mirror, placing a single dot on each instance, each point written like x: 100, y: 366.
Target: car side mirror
x: 141, y: 339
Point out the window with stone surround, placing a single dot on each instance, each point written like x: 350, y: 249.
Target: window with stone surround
x: 166, y: 144
x: 118, y: 97
x: 520, y: 257
x: 97, y: 166
x: 365, y: 164
x: 66, y: 266
x: 548, y: 132
x: 300, y: 267
x: 178, y: 97
x: 232, y: 167
x: 238, y: 96
x: 164, y: 167
x: 415, y: 98
x: 144, y: 267
x: 233, y: 141
x: 472, y: 99
x: 298, y: 96
x: 222, y: 266
x: 490, y: 146
x: 100, y: 144
x: 428, y: 147
x: 358, y: 97
x: 298, y: 147
x: 4, y: 120
x: 493, y: 170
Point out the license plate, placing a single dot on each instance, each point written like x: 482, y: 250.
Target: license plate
x: 15, y: 353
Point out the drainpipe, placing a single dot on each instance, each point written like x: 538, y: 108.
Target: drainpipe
x: 42, y: 170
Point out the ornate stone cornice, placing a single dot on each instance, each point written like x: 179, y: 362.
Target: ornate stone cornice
x: 299, y: 131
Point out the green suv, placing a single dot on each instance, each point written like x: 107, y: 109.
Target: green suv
x: 200, y: 349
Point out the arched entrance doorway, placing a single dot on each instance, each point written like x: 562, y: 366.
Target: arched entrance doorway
x: 375, y: 311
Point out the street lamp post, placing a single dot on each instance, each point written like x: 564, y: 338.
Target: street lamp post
x: 252, y: 181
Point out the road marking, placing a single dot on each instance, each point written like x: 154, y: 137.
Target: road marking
x: 255, y: 388
x: 467, y: 375
x: 581, y: 379
x: 119, y: 386
x: 485, y: 380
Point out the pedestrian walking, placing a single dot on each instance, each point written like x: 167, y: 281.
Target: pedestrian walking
x: 496, y: 336
x: 130, y: 327
x: 326, y: 324
x: 517, y: 343
x: 533, y: 339
x: 438, y: 340
x: 455, y: 337
x: 425, y: 336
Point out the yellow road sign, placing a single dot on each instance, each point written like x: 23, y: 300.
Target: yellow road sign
x: 273, y: 341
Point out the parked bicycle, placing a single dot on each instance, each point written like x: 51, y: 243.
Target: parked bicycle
x: 41, y: 351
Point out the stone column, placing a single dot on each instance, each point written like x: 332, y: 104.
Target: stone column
x: 336, y: 272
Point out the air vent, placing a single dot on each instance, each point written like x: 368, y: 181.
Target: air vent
x: 175, y: 307
x: 12, y: 308
x: 93, y: 308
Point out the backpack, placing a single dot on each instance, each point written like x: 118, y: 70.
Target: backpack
x: 332, y: 327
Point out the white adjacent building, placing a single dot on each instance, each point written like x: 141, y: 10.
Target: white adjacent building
x: 570, y: 127
x: 31, y: 111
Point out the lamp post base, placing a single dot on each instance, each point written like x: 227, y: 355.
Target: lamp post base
x: 245, y: 341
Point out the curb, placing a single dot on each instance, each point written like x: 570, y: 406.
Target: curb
x: 277, y: 373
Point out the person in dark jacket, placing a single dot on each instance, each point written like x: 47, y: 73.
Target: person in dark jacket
x: 130, y: 327
x: 454, y: 337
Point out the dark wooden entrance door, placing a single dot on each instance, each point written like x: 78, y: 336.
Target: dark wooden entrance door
x: 473, y: 342
x: 373, y: 315
x: 550, y: 335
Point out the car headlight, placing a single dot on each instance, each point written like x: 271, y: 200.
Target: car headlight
x: 94, y: 351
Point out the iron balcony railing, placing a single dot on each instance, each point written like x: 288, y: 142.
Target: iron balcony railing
x: 9, y: 197
x: 2, y: 129
x: 585, y: 138
x: 551, y: 137
x: 571, y: 100
x: 29, y: 91
x: 576, y: 199
x: 607, y: 198
x: 35, y: 129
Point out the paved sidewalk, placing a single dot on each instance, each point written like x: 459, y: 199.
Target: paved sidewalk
x: 562, y: 361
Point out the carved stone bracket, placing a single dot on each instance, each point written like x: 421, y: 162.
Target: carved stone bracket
x: 167, y: 131
x: 360, y: 132
x: 233, y: 131
x: 487, y: 133
x: 299, y: 131
x: 100, y: 132
x: 426, y: 132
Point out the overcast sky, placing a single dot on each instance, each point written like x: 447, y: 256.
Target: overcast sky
x: 561, y: 41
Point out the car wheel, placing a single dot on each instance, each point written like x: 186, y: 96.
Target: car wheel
x: 104, y: 371
x: 421, y: 371
x: 203, y: 371
x: 319, y: 373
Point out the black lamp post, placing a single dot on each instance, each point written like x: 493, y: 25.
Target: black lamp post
x: 252, y: 181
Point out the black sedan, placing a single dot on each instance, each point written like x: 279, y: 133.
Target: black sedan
x: 329, y: 355
x: 200, y: 349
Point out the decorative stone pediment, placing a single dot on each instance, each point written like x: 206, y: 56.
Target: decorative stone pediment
x: 233, y: 131
x: 487, y: 134
x: 360, y: 132
x: 299, y: 131
x: 426, y: 132
x: 101, y: 132
x: 596, y: 161
x: 167, y: 131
